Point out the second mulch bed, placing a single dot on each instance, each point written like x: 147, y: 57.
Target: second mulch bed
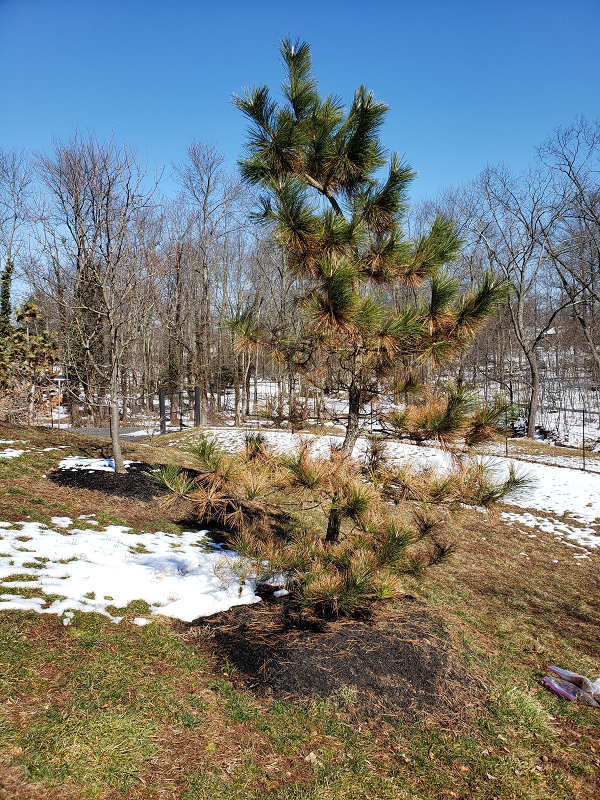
x: 134, y: 484
x: 394, y: 664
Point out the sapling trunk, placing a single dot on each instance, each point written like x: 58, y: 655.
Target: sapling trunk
x: 334, y: 523
x: 535, y: 391
x: 352, y: 430
x: 114, y: 420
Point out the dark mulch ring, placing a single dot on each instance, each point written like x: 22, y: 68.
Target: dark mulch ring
x: 391, y: 665
x: 135, y: 483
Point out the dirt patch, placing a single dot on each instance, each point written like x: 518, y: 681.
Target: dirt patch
x: 135, y: 484
x: 395, y: 664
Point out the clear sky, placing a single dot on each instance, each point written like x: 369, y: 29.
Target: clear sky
x: 469, y: 82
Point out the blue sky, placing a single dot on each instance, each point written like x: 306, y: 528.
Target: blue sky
x: 469, y: 82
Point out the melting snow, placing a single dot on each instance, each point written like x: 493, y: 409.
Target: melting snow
x: 91, y: 464
x: 10, y: 452
x: 182, y: 576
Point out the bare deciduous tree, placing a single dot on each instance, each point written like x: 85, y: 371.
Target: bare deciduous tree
x: 514, y: 220
x: 572, y: 157
x: 98, y: 191
x: 15, y: 186
x: 216, y: 197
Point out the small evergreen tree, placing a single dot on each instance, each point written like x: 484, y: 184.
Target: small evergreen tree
x: 340, y: 227
x: 5, y: 309
x: 274, y: 508
x: 26, y: 360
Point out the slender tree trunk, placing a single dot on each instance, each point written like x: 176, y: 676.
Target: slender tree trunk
x: 588, y: 336
x: 352, y: 431
x: 73, y: 401
x: 247, y: 386
x: 535, y: 392
x: 5, y: 281
x: 124, y: 394
x: 31, y: 406
x: 237, y: 394
x: 219, y: 383
x: 172, y: 409
x: 334, y: 523
x: 114, y: 417
x: 204, y: 343
x: 255, y: 403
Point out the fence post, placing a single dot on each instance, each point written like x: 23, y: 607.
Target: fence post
x: 196, y: 406
x: 162, y: 411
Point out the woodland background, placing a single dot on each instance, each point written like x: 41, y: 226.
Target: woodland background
x: 127, y: 291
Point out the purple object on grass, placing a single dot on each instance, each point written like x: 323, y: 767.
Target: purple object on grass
x: 570, y: 691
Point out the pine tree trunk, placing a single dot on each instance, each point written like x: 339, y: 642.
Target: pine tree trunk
x: 334, y: 523
x: 247, y: 387
x: 237, y: 395
x: 352, y: 430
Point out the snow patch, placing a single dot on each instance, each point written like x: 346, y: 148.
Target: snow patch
x: 91, y: 464
x: 96, y: 569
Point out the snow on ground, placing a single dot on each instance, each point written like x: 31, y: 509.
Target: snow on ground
x: 561, y: 491
x: 91, y: 464
x: 11, y: 452
x: 186, y: 576
x: 553, y: 490
x: 581, y: 537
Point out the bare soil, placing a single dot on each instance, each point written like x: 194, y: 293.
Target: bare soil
x: 396, y: 663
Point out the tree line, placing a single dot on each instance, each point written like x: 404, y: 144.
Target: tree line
x: 340, y: 286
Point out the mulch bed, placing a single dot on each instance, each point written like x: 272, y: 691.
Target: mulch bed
x: 394, y: 664
x: 134, y: 484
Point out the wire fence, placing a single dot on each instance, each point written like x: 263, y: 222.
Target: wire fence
x: 162, y: 412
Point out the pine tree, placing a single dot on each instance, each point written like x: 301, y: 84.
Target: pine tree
x: 341, y: 229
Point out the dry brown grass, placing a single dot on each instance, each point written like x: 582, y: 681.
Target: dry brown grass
x: 523, y: 448
x: 15, y: 785
x: 543, y: 603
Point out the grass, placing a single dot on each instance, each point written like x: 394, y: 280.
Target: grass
x: 528, y: 449
x: 98, y: 710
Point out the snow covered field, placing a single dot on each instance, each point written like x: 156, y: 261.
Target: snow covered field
x: 186, y: 576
